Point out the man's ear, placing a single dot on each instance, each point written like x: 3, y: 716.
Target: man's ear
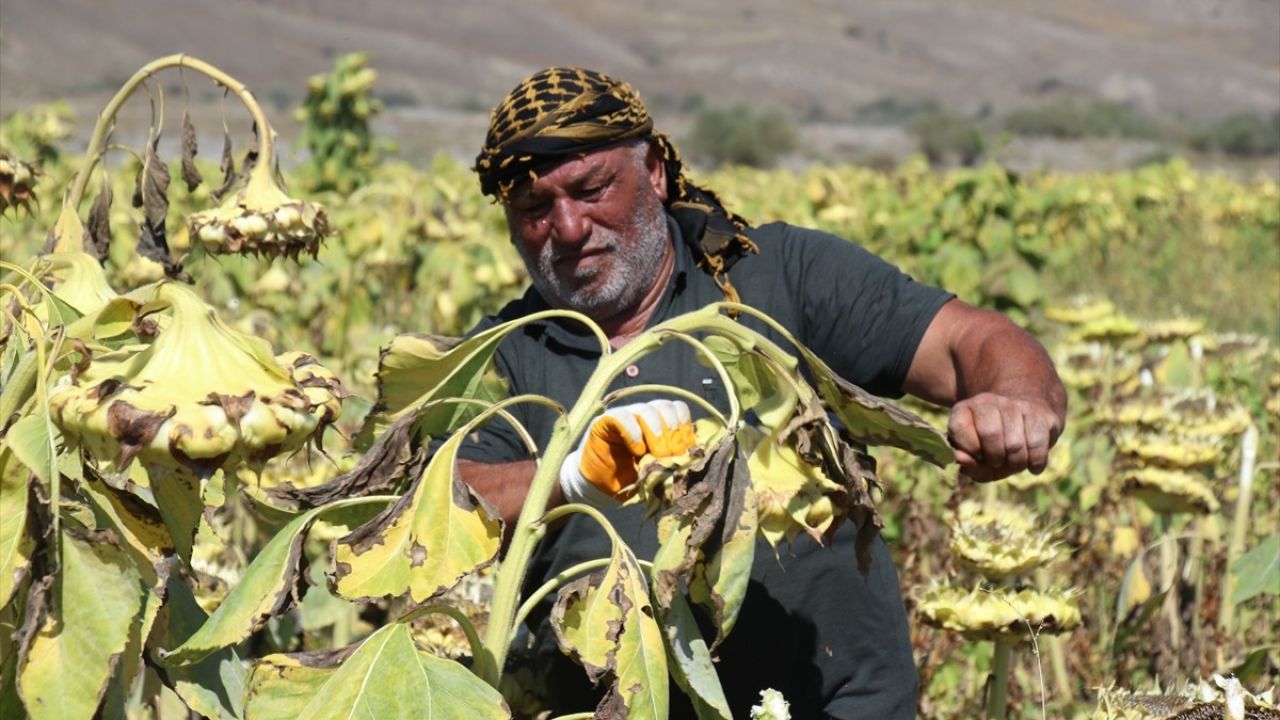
x: 657, y: 167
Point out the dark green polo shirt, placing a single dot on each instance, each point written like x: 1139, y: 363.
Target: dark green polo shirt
x: 834, y: 642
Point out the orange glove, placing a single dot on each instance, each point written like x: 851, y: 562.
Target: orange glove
x: 605, y: 461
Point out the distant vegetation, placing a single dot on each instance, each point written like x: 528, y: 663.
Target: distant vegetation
x: 950, y: 138
x: 741, y: 135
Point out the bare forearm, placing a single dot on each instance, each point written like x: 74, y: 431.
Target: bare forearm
x: 968, y: 351
x: 1007, y: 361
x: 1008, y: 405
x: 502, y: 485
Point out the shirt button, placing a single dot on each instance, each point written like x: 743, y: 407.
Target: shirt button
x: 632, y: 371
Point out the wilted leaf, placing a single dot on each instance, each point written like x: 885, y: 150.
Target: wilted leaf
x: 262, y: 592
x: 721, y: 581
x: 228, y: 167
x: 190, y: 173
x: 382, y: 469
x: 708, y: 537
x: 873, y: 421
x: 98, y: 229
x: 96, y: 596
x: 15, y: 543
x: 606, y: 623
x: 1135, y: 588
x: 1128, y: 628
x: 417, y: 369
x: 1257, y: 572
x: 151, y: 193
x: 386, y: 678
x: 136, y: 523
x: 436, y: 534
x: 130, y: 667
x: 178, y: 497
x: 691, y: 664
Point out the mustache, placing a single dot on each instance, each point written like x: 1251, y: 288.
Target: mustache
x: 605, y: 244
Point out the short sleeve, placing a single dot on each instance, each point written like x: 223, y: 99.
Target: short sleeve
x: 862, y: 315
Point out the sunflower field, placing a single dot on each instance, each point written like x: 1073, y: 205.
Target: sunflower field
x: 245, y: 321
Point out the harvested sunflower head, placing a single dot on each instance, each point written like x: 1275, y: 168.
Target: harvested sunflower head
x: 1221, y: 699
x: 1083, y: 366
x: 201, y: 396
x: 998, y: 540
x: 1165, y: 331
x: 1203, y: 415
x: 1080, y: 310
x: 261, y: 219
x: 1169, y: 451
x: 991, y: 614
x: 1110, y: 329
x: 1170, y: 491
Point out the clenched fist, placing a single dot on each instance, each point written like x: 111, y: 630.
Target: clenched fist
x: 996, y: 436
x: 605, y: 461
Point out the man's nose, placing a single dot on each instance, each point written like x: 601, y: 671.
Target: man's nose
x: 569, y: 224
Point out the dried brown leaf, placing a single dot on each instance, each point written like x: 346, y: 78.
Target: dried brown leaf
x: 228, y: 167
x: 190, y: 173
x: 98, y: 228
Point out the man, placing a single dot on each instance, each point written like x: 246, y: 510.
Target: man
x: 607, y: 224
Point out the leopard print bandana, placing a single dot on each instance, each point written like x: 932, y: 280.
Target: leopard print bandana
x: 564, y: 111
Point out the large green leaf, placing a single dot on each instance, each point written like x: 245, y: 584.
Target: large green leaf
x: 178, y: 495
x: 15, y: 543
x: 417, y: 369
x: 386, y: 678
x: 873, y: 421
x: 96, y: 596
x: 605, y: 621
x: 1258, y: 571
x: 32, y: 439
x: 691, y: 663
x: 213, y: 686
x: 436, y: 534
x: 262, y: 590
x: 137, y: 524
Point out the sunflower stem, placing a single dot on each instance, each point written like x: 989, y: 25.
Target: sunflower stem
x: 998, y: 695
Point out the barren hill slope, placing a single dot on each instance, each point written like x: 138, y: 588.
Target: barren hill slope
x: 442, y: 63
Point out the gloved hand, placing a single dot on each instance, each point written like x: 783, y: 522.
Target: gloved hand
x: 605, y: 461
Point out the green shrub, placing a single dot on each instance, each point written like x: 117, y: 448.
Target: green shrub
x: 1074, y: 118
x: 1242, y: 134
x: 946, y: 137
x: 740, y: 135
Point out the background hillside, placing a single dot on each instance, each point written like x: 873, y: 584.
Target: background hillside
x: 849, y: 74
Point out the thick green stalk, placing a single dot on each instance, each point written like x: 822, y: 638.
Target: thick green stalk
x: 1170, y: 581
x: 1239, y: 526
x: 510, y: 575
x: 998, y: 697
x: 529, y: 528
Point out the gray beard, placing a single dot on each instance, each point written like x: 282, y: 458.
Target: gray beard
x: 631, y: 275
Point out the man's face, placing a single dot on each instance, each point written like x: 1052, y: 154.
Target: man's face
x: 593, y: 231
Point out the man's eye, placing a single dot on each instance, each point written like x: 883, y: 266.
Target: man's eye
x: 534, y: 209
x: 594, y: 191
